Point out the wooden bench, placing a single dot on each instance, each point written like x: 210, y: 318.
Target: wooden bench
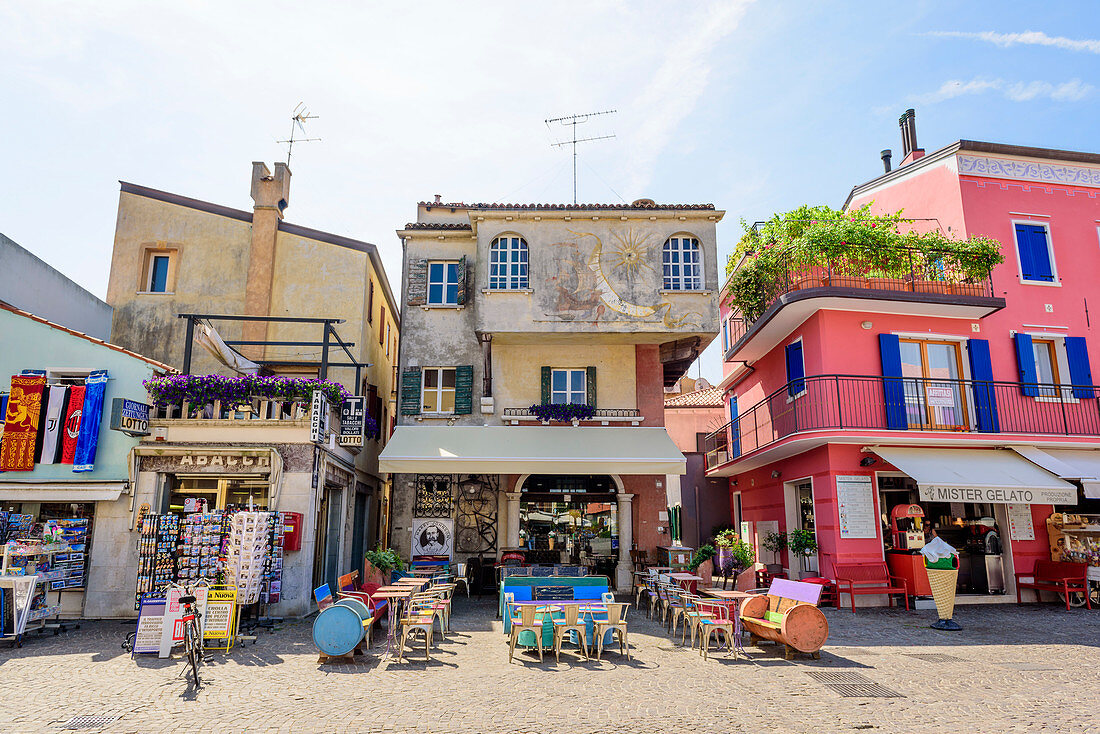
x: 1061, y: 577
x: 789, y: 616
x: 868, y: 578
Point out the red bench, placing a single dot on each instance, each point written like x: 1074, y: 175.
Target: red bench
x: 1061, y: 577
x: 868, y: 578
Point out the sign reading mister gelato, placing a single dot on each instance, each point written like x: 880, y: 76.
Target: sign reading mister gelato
x: 999, y: 495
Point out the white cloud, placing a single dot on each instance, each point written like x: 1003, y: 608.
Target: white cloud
x: 1027, y: 38
x: 1070, y: 91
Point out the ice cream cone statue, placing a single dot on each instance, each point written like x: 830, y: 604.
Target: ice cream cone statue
x: 941, y: 562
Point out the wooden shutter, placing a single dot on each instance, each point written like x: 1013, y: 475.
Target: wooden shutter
x: 382, y: 325
x: 590, y: 386
x: 418, y: 282
x: 796, y: 369
x: 1035, y: 259
x: 461, y: 298
x: 546, y: 377
x: 981, y: 371
x: 370, y: 301
x: 372, y: 404
x: 735, y: 429
x: 410, y: 391
x: 1080, y: 372
x: 1025, y: 362
x: 893, y: 387
x: 464, y: 390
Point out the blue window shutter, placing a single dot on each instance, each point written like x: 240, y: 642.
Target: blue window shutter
x: 981, y: 372
x: 735, y: 429
x: 892, y: 386
x: 796, y: 369
x: 1025, y: 361
x: 1080, y: 373
x: 1040, y: 255
x: 1023, y: 247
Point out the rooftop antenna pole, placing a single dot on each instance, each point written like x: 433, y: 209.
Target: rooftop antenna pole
x: 573, y: 121
x: 297, y: 122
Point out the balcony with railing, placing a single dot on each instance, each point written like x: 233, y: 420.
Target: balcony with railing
x: 603, y: 416
x: 901, y: 279
x: 875, y: 403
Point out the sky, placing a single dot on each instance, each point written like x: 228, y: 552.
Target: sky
x: 756, y: 107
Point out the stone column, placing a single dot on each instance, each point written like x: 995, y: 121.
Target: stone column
x: 624, y: 571
x: 513, y: 521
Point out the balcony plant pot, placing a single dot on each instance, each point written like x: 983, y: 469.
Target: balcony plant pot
x: 931, y: 286
x: 967, y: 289
x: 844, y: 281
x: 887, y: 284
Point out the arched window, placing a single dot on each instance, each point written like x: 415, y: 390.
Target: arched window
x: 508, y: 263
x: 682, y: 261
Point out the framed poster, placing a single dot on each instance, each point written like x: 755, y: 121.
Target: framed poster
x: 1020, y: 526
x: 855, y: 501
x: 432, y: 537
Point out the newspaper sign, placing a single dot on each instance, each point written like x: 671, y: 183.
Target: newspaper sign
x: 218, y: 620
x: 149, y: 626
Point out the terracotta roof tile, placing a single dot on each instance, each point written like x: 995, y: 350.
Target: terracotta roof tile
x: 438, y: 225
x: 709, y: 398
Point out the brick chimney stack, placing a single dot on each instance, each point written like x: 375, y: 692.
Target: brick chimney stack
x: 271, y: 195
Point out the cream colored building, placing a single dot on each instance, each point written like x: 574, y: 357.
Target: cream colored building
x: 508, y: 308
x: 176, y: 255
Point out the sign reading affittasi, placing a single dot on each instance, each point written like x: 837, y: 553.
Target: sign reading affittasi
x: 353, y: 412
x: 999, y: 495
x: 130, y: 417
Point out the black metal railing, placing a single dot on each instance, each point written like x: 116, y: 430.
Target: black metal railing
x: 888, y: 269
x: 525, y: 413
x: 842, y: 402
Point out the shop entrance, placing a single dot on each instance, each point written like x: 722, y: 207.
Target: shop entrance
x: 974, y: 529
x: 570, y: 519
x: 799, y: 505
x: 205, y: 493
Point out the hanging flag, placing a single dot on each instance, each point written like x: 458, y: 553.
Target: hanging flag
x: 70, y: 429
x: 21, y: 423
x: 3, y: 412
x: 86, y: 443
x: 52, y: 424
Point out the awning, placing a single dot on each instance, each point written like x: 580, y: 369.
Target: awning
x: 531, y: 450
x: 1080, y: 464
x: 977, y: 475
x: 61, y: 492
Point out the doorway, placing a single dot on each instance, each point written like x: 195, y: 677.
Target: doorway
x: 359, y: 527
x: 572, y: 520
x: 799, y: 509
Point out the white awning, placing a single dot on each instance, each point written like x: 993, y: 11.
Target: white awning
x: 531, y: 450
x: 61, y: 492
x: 1080, y: 464
x: 979, y: 475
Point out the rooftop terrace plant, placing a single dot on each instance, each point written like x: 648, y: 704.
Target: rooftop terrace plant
x: 856, y: 243
x: 202, y: 389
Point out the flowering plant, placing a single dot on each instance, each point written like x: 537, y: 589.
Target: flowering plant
x: 203, y: 389
x: 564, y: 412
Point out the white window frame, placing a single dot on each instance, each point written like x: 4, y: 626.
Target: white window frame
x: 1050, y: 253
x: 502, y: 254
x: 439, y: 390
x: 444, y: 283
x: 1061, y: 359
x: 682, y: 282
x: 569, y: 392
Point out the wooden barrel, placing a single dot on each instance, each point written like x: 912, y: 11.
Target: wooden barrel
x: 805, y: 628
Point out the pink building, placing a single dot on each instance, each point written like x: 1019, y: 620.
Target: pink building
x: 850, y: 397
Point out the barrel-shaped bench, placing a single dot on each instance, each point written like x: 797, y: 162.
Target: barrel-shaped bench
x: 787, y: 615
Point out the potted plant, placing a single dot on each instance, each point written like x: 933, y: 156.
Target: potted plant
x: 774, y: 543
x: 562, y: 412
x: 740, y: 557
x: 701, y: 564
x: 380, y: 562
x: 723, y: 543
x: 802, y: 543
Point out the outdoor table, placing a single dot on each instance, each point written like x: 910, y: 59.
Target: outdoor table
x: 395, y: 595
x: 688, y: 581
x: 733, y: 599
x: 418, y: 583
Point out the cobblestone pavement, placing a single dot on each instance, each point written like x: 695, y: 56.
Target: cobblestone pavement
x: 1012, y: 669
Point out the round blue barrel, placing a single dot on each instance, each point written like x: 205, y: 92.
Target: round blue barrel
x: 338, y: 629
x: 360, y: 608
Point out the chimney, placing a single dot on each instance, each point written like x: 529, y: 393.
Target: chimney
x: 438, y: 198
x: 885, y: 155
x: 909, y: 150
x: 271, y: 195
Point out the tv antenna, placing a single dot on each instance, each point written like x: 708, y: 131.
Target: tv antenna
x: 573, y: 121
x: 297, y: 122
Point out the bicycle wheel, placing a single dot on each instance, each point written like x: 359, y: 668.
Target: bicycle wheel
x: 1076, y: 598
x: 191, y: 643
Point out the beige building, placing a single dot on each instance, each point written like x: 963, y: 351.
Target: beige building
x: 175, y: 255
x: 514, y: 312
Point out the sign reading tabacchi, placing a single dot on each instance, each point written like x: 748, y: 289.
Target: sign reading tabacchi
x: 318, y: 417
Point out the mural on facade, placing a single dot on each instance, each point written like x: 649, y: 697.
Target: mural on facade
x: 620, y: 283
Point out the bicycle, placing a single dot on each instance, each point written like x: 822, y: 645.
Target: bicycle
x: 192, y: 635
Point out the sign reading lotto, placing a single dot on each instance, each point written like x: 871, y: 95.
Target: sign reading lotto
x: 130, y: 417
x: 318, y: 418
x: 999, y: 495
x: 353, y: 412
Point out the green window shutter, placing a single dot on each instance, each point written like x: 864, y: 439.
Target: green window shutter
x: 545, y: 385
x: 461, y: 300
x: 464, y: 390
x: 410, y: 391
x: 590, y: 385
x: 418, y: 283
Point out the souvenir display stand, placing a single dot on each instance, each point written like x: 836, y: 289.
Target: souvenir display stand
x: 1075, y: 537
x: 16, y: 597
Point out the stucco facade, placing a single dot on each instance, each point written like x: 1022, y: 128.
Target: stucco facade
x: 592, y: 302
